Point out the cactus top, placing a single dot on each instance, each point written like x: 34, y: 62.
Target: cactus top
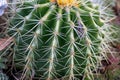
x: 64, y: 3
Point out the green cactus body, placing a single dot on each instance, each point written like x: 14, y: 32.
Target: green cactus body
x: 54, y: 42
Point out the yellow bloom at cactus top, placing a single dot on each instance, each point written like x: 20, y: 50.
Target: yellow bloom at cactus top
x: 64, y: 3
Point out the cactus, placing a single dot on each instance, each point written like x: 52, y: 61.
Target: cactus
x: 58, y: 39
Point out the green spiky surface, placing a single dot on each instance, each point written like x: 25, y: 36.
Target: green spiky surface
x: 55, y: 43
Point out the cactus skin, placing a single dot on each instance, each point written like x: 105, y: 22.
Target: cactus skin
x: 56, y: 43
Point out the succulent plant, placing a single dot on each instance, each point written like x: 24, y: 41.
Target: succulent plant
x: 58, y: 39
x: 3, y: 76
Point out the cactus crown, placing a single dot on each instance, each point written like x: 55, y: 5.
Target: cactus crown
x: 63, y: 3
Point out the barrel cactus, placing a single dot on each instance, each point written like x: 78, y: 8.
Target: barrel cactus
x: 58, y: 39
